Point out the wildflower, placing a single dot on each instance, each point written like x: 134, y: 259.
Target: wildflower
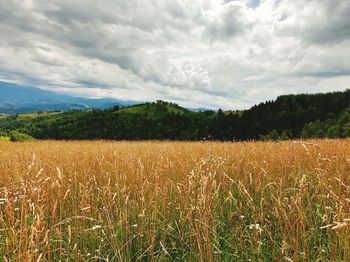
x: 256, y: 227
x: 134, y: 225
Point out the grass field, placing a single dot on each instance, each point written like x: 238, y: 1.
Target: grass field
x: 4, y: 138
x: 31, y: 115
x: 175, y: 201
x: 150, y: 109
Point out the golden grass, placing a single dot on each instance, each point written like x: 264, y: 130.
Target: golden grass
x: 175, y: 201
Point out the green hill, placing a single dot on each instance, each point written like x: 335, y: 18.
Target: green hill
x: 159, y: 107
x: 290, y: 116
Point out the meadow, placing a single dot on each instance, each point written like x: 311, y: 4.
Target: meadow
x: 175, y: 201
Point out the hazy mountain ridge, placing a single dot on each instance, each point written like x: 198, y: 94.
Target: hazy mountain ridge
x: 18, y: 99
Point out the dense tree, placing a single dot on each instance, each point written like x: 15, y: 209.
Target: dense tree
x: 291, y: 116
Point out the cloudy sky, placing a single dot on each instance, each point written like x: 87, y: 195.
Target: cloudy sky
x: 198, y: 53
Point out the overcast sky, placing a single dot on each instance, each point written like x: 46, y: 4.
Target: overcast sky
x: 198, y: 53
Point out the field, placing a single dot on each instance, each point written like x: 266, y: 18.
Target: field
x: 4, y: 138
x: 175, y: 201
x: 30, y: 115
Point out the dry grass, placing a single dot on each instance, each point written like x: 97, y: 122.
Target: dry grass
x: 175, y: 201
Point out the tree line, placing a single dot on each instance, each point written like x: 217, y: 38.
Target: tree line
x: 287, y: 117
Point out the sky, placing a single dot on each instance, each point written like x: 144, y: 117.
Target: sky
x: 228, y: 54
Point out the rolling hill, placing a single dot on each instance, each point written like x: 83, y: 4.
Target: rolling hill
x: 289, y: 116
x: 160, y: 107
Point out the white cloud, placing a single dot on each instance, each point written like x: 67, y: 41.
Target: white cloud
x: 205, y: 53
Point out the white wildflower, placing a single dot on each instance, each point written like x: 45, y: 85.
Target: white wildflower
x: 255, y: 226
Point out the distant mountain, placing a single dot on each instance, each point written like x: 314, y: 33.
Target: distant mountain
x: 200, y: 109
x: 20, y: 99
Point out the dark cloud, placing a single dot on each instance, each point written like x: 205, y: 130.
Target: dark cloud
x: 320, y: 22
x: 332, y: 26
x: 226, y: 24
x: 325, y: 74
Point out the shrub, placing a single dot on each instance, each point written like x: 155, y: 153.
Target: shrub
x: 20, y: 137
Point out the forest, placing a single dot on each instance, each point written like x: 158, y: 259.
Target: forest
x: 288, y: 117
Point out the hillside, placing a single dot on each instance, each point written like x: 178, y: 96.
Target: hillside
x: 291, y: 116
x: 160, y: 107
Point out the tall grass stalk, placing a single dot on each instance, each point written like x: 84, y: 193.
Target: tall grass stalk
x: 175, y: 201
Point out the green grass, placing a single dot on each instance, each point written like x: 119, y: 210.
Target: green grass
x: 30, y: 115
x: 35, y: 115
x: 4, y: 138
x: 152, y: 109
